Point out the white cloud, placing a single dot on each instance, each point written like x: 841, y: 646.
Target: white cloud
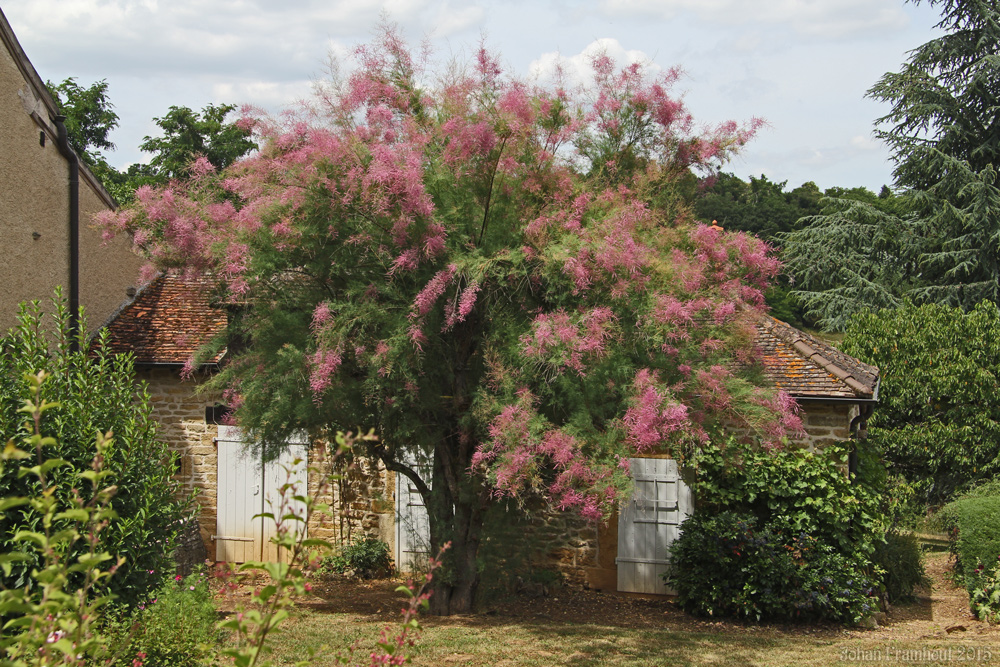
x: 266, y: 94
x: 577, y: 69
x: 866, y: 143
x: 802, y: 64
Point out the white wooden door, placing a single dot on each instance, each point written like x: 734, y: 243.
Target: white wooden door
x: 291, y: 468
x: 240, y: 496
x: 246, y: 489
x: 413, y: 532
x: 648, y: 523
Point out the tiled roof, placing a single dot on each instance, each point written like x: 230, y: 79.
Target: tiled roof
x: 172, y: 318
x: 168, y: 321
x: 807, y: 367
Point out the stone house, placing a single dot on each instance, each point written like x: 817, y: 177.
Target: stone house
x: 47, y: 199
x: 172, y: 317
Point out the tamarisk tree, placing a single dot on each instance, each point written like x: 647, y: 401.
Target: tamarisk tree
x: 500, y: 275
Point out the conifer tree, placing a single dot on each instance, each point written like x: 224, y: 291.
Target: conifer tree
x: 944, y: 133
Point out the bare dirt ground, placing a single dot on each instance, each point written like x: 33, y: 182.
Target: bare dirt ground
x: 940, y: 611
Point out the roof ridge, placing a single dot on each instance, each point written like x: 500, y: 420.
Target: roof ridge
x: 818, y: 352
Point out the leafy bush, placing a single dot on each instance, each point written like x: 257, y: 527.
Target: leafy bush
x: 93, y: 393
x: 55, y: 623
x: 901, y: 559
x: 174, y: 628
x: 805, y: 492
x: 367, y: 558
x: 756, y: 509
x: 985, y: 598
x: 724, y: 565
x: 973, y: 524
x: 984, y: 489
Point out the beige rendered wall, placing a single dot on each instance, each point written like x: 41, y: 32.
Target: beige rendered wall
x: 34, y: 199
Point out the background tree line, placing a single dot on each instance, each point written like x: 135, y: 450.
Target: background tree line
x: 187, y: 135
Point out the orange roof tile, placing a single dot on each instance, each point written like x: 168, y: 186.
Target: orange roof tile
x: 168, y: 321
x: 807, y: 367
x: 172, y: 317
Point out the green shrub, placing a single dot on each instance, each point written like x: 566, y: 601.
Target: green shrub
x: 368, y: 557
x: 794, y: 535
x: 807, y: 492
x: 725, y: 565
x: 902, y: 561
x: 94, y: 393
x: 175, y: 627
x: 973, y: 524
x: 984, y: 489
x: 985, y: 598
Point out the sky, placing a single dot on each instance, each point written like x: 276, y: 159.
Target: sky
x: 802, y: 65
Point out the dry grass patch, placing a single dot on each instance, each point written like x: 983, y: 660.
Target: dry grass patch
x: 586, y: 628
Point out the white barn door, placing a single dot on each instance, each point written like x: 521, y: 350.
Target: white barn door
x: 649, y: 523
x: 247, y: 487
x: 413, y: 531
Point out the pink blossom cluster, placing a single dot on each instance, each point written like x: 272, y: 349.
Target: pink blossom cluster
x: 568, y: 342
x: 609, y: 249
x: 654, y: 416
x: 458, y: 310
x: 432, y: 291
x: 789, y: 422
x: 516, y: 453
x: 324, y: 363
x: 713, y: 386
x: 321, y: 315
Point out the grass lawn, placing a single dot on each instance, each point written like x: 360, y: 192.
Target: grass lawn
x: 538, y: 643
x: 584, y: 628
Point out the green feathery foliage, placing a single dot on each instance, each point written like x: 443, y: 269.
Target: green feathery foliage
x: 944, y: 133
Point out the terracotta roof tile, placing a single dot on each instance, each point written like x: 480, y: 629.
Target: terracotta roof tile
x: 172, y: 317
x: 168, y: 321
x: 807, y: 367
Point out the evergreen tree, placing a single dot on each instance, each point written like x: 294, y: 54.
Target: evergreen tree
x: 943, y: 244
x: 944, y: 132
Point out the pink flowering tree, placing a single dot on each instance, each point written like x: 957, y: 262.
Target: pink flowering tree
x: 500, y: 274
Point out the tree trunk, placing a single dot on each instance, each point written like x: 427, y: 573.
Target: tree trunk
x: 455, y: 513
x: 456, y: 500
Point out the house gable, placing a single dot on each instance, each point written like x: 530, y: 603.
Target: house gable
x: 34, y: 203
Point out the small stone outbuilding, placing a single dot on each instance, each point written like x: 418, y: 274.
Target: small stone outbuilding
x: 172, y: 317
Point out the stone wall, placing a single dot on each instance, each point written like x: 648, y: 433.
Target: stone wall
x: 360, y: 495
x: 180, y: 415
x: 585, y: 552
x: 826, y: 423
